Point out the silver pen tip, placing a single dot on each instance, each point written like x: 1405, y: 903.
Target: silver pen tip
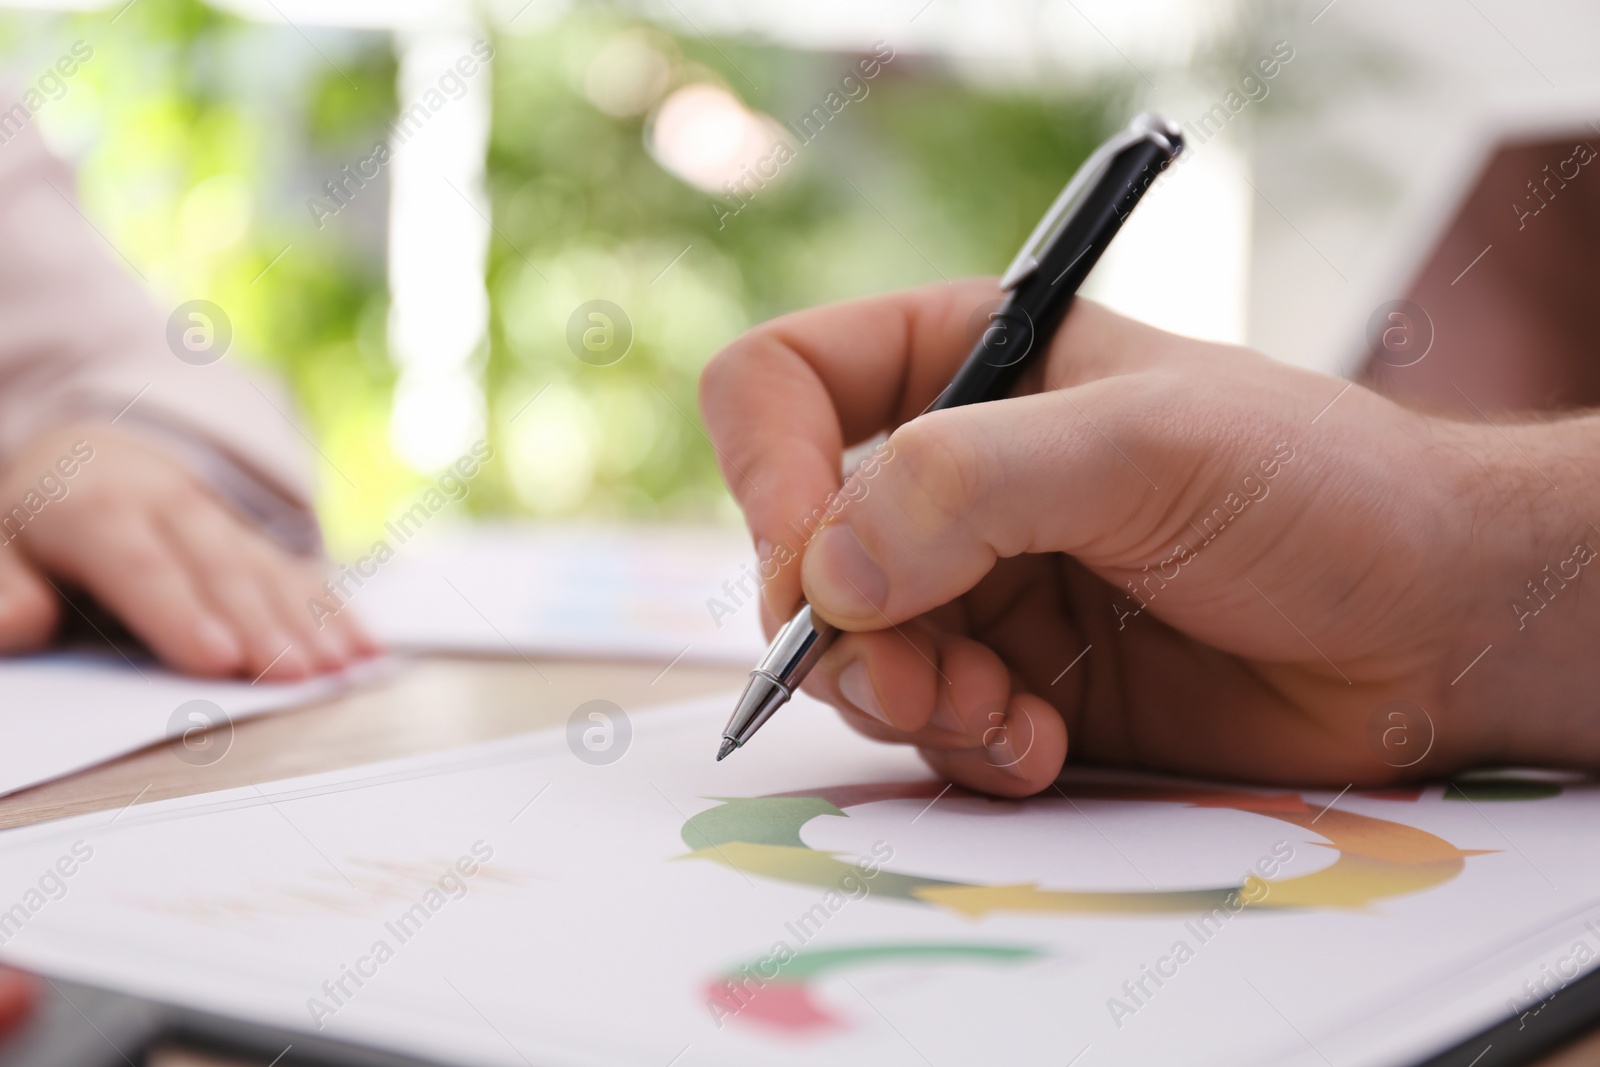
x: 762, y: 696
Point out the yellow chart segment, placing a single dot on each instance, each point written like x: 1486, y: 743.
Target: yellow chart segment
x: 1377, y: 858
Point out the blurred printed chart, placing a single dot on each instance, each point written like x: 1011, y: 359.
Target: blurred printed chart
x: 607, y: 592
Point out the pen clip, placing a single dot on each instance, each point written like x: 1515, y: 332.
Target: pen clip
x: 1144, y: 127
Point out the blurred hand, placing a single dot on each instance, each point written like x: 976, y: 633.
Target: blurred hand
x: 18, y: 997
x: 1257, y: 559
x: 132, y: 527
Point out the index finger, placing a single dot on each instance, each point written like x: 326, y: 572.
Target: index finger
x: 783, y: 401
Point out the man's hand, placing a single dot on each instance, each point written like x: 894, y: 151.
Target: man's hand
x: 1165, y: 552
x: 131, y: 526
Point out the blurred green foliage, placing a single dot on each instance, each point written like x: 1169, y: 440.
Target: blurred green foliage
x: 200, y: 136
x: 925, y: 178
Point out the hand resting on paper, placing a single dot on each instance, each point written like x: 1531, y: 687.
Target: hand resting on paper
x: 1160, y: 553
x: 134, y: 528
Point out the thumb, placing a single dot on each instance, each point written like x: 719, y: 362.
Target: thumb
x: 1100, y: 471
x: 29, y: 608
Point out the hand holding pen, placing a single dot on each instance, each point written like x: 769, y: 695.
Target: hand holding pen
x: 1160, y: 551
x: 1038, y: 288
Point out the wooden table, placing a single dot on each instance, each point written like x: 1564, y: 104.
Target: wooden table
x: 431, y: 703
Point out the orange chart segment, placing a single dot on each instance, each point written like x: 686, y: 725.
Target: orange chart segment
x: 1378, y: 858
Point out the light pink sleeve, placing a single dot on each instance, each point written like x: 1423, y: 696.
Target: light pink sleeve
x: 81, y: 339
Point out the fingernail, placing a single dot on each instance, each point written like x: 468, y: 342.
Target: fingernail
x: 842, y: 577
x: 856, y: 685
x: 218, y: 641
x: 1001, y: 753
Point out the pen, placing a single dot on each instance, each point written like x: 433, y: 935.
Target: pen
x: 1039, y: 287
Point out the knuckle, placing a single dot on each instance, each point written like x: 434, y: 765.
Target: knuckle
x: 145, y: 557
x: 731, y: 366
x: 939, y: 474
x: 236, y: 592
x: 726, y: 385
x: 765, y: 358
x: 118, y: 501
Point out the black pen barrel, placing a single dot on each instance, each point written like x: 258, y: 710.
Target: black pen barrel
x: 1032, y: 311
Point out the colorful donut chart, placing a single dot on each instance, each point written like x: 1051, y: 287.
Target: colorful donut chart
x: 1377, y: 858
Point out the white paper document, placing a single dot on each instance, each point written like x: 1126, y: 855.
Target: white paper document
x: 62, y: 712
x: 819, y: 900
x: 576, y: 590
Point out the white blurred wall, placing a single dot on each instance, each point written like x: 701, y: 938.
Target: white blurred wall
x: 1373, y: 178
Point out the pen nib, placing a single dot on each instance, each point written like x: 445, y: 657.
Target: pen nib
x: 728, y: 745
